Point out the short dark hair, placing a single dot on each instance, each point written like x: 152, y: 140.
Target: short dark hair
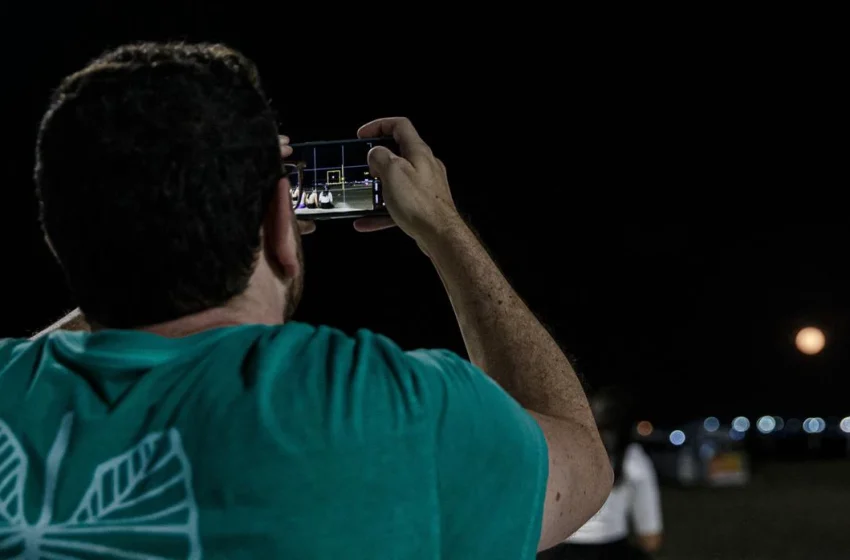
x: 155, y: 165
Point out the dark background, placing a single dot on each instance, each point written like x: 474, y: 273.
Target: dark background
x: 646, y: 192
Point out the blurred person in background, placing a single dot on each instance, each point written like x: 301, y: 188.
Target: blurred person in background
x: 197, y: 420
x: 634, y: 499
x: 297, y: 197
x: 312, y: 199
x: 294, y: 174
x: 326, y: 198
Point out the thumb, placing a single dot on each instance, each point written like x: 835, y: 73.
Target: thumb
x: 383, y: 163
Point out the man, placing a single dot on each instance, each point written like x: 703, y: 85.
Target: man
x: 197, y: 420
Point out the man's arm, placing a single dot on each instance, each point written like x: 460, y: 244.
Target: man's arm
x: 73, y: 321
x: 502, y: 336
x: 505, y: 340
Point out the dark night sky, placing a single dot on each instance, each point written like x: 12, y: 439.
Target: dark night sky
x: 636, y: 192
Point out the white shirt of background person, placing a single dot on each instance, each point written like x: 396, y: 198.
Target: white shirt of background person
x: 636, y: 497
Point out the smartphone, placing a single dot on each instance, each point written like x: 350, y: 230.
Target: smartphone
x: 332, y: 180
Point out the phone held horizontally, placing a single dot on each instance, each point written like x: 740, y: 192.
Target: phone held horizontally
x: 332, y: 180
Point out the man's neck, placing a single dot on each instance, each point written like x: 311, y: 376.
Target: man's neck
x: 262, y: 303
x: 218, y: 317
x: 212, y: 319
x: 73, y: 321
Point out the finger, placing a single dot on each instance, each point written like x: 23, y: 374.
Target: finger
x: 285, y: 150
x: 384, y: 164
x: 401, y: 129
x: 442, y: 166
x: 373, y: 223
x: 306, y: 226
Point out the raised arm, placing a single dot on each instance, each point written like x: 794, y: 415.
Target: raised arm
x: 502, y: 336
x: 505, y: 340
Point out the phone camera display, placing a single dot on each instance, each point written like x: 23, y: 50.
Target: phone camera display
x: 332, y: 179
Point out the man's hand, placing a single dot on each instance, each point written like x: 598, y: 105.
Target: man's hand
x: 416, y: 188
x: 304, y: 226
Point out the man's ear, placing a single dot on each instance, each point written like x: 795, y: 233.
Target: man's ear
x: 280, y: 233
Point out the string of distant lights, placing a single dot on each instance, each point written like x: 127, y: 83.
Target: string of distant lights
x: 741, y: 425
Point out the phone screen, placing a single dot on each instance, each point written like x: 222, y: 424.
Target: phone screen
x: 332, y: 179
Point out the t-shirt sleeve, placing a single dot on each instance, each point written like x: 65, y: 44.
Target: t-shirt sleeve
x: 491, y: 460
x: 646, y: 507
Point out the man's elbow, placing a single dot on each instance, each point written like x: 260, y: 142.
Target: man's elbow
x: 598, y: 474
x: 598, y: 480
x: 603, y: 479
x: 607, y: 477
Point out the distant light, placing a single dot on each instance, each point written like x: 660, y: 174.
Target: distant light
x: 711, y: 424
x: 766, y: 424
x: 845, y: 425
x: 735, y: 435
x: 645, y: 428
x: 707, y: 451
x: 780, y: 423
x: 677, y: 437
x: 814, y: 425
x: 741, y: 424
x: 810, y: 341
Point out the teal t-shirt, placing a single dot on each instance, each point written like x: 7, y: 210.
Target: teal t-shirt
x: 290, y: 442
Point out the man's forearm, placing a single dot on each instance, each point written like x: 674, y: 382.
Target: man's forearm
x: 73, y: 321
x: 502, y: 336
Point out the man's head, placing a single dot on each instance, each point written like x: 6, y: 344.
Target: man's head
x: 159, y: 174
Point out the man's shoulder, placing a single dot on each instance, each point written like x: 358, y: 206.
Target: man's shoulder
x: 365, y: 351
x: 321, y: 374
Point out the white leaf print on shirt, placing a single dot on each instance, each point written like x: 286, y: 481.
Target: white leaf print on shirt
x: 138, y: 506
